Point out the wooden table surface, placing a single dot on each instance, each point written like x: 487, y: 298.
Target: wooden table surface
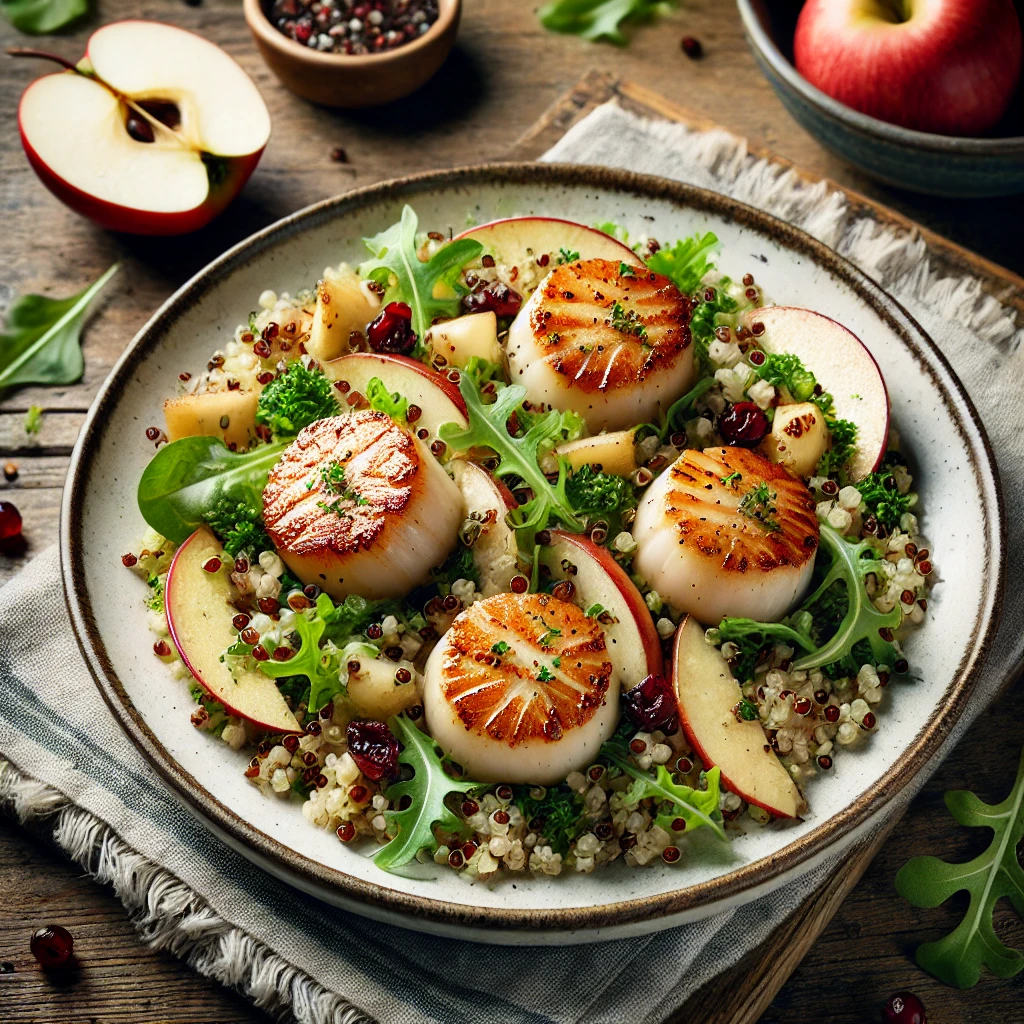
x: 503, y: 74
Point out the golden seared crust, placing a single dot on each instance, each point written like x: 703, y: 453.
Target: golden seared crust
x: 706, y: 513
x: 507, y: 694
x: 575, y: 327
x: 309, y: 507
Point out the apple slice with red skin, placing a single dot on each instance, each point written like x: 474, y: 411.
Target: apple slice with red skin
x: 843, y: 366
x: 512, y: 240
x: 74, y: 130
x: 436, y: 397
x: 707, y: 693
x: 633, y: 642
x: 199, y: 616
x: 495, y: 551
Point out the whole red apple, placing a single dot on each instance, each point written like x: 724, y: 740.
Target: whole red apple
x: 154, y: 132
x: 945, y: 66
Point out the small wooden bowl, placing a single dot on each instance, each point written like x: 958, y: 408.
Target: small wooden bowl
x: 366, y: 80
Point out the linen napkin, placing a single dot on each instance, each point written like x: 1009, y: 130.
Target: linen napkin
x: 70, y: 770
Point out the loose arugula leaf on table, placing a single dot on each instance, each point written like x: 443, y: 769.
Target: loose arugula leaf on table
x: 188, y: 478
x: 860, y: 624
x: 34, y: 419
x: 41, y: 345
x: 696, y: 807
x: 957, y: 959
x: 686, y: 262
x: 41, y: 17
x: 310, y: 661
x: 431, y: 289
x: 426, y: 790
x: 519, y: 456
x: 599, y: 19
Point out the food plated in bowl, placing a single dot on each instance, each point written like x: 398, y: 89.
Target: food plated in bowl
x: 592, y: 723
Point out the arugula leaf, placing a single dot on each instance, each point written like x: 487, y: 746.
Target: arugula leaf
x: 598, y: 19
x: 686, y: 262
x: 862, y: 621
x: 310, y: 661
x: 42, y: 343
x: 393, y: 405
x: 957, y: 959
x: 186, y: 480
x: 430, y: 288
x: 519, y: 456
x: 695, y: 806
x: 42, y: 17
x: 426, y: 790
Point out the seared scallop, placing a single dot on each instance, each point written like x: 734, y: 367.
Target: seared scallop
x: 726, y: 532
x: 609, y: 341
x: 357, y: 505
x: 520, y: 689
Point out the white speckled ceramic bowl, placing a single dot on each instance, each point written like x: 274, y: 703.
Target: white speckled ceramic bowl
x: 953, y: 467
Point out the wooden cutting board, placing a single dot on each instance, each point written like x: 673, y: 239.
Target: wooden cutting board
x: 741, y: 994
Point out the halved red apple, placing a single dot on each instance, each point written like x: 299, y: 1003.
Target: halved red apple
x: 175, y: 169
x: 495, y: 551
x: 843, y: 366
x: 199, y: 615
x: 633, y: 642
x: 511, y: 240
x: 436, y: 397
x: 707, y: 693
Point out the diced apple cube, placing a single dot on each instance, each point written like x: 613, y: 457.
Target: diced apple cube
x: 230, y: 415
x: 614, y: 453
x: 376, y: 692
x: 798, y: 438
x: 457, y: 341
x: 343, y: 306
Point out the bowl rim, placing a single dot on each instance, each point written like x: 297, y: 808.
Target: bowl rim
x: 765, y: 46
x: 379, y: 898
x: 263, y: 28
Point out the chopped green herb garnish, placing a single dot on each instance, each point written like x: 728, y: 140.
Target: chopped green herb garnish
x: 627, y: 321
x: 34, y: 419
x: 332, y: 481
x: 732, y: 478
x: 546, y: 638
x: 499, y: 648
x: 568, y: 255
x: 757, y: 504
x: 596, y: 611
x: 625, y: 270
x: 544, y: 675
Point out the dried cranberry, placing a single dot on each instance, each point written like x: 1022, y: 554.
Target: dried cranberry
x: 373, y: 748
x: 651, y: 704
x: 10, y: 520
x: 499, y: 299
x: 392, y: 331
x: 743, y: 425
x: 904, y: 1008
x: 52, y: 946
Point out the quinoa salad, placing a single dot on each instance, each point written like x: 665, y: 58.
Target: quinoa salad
x: 533, y: 548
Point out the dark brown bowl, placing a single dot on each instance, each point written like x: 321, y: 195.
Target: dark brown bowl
x: 338, y: 80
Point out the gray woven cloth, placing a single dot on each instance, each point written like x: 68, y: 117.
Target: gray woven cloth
x: 70, y: 770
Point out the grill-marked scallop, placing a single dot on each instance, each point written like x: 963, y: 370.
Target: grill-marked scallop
x: 521, y: 689
x: 357, y: 505
x: 607, y: 340
x: 726, y: 532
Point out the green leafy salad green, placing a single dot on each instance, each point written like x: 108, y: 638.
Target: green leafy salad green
x: 345, y: 663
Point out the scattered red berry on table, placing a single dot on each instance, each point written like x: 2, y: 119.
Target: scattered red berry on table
x: 904, y: 1008
x: 692, y: 47
x: 52, y: 946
